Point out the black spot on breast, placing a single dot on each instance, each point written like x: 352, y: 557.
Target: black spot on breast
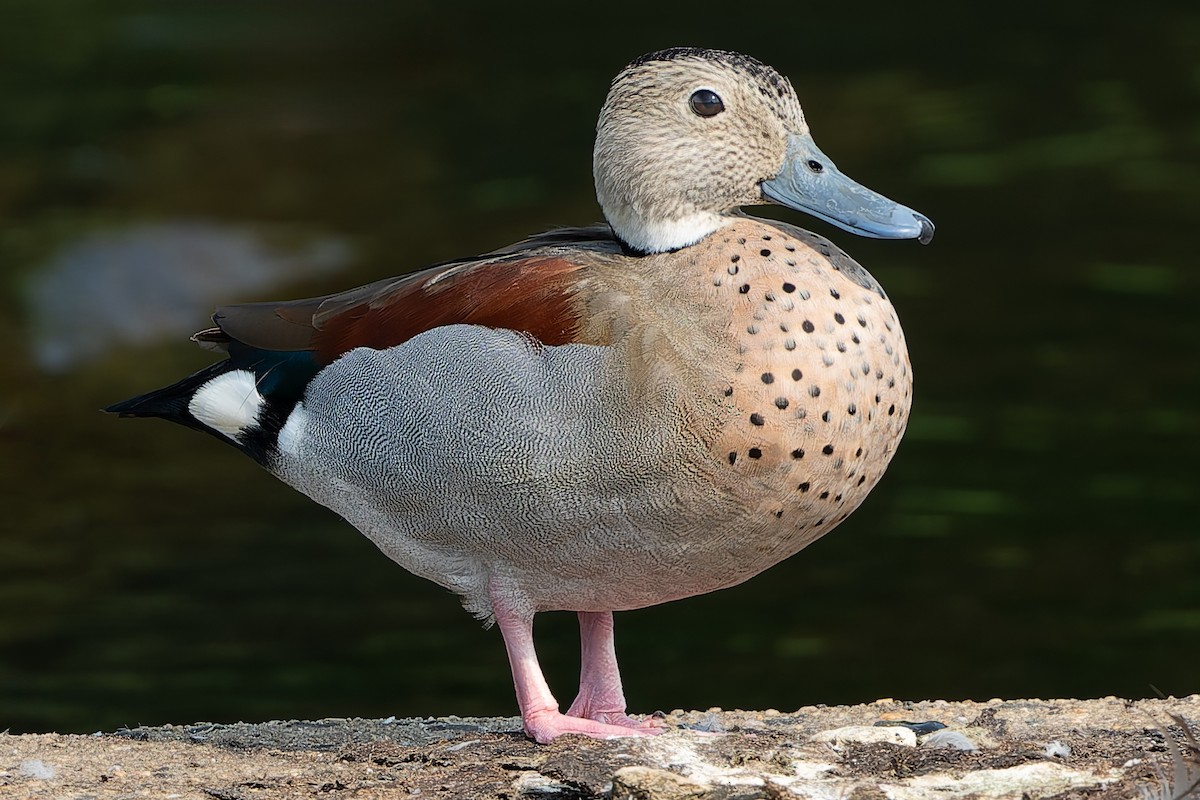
x: 754, y: 452
x: 735, y: 258
x: 891, y: 410
x: 838, y: 318
x: 728, y: 391
x: 808, y: 326
x: 781, y: 403
x: 804, y: 487
x: 824, y: 495
x: 827, y: 449
x: 789, y: 287
x: 852, y: 409
x: 756, y: 419
x: 732, y: 457
x: 834, y: 294
x: 744, y: 288
x: 814, y: 391
x: 825, y: 416
x: 797, y: 374
x: 765, y: 253
x: 767, y: 377
x: 732, y: 269
x: 797, y: 454
x: 862, y: 480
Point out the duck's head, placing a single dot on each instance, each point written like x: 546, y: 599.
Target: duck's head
x: 687, y: 136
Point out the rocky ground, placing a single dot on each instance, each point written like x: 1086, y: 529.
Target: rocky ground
x: 1107, y: 748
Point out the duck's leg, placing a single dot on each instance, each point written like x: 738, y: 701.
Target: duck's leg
x: 539, y: 710
x: 600, y: 695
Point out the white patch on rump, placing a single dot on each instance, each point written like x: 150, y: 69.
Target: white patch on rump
x: 229, y: 403
x: 292, y: 431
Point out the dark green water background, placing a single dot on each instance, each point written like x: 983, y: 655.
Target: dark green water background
x: 1037, y: 534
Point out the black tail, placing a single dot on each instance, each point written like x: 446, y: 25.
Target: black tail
x: 171, y: 402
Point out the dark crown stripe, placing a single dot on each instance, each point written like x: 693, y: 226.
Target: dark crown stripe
x: 751, y: 66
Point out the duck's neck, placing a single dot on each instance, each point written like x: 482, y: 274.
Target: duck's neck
x: 642, y: 235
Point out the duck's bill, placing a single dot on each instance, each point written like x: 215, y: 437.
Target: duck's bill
x: 810, y: 182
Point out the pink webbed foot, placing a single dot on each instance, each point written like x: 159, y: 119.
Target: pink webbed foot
x: 600, y: 696
x: 599, y: 710
x: 544, y: 726
x: 651, y: 726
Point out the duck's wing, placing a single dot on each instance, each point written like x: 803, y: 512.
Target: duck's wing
x: 529, y: 287
x: 537, y: 287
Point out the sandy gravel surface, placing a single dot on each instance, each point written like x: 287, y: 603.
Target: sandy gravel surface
x: 1107, y: 748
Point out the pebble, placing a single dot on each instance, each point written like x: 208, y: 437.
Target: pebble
x: 710, y: 723
x: 1057, y: 749
x: 659, y: 784
x: 538, y: 785
x: 868, y: 734
x: 949, y: 740
x: 36, y: 768
x: 919, y: 728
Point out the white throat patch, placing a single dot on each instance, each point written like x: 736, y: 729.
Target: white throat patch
x: 661, y: 236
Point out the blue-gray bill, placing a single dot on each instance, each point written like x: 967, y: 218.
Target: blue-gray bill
x: 811, y: 183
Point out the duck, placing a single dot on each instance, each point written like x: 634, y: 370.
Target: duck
x: 601, y: 418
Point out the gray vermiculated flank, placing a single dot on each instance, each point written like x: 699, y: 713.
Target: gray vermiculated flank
x: 469, y: 440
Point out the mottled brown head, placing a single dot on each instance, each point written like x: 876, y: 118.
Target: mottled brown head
x: 685, y: 137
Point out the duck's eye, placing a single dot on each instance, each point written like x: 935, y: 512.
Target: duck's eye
x: 706, y: 103
x: 816, y: 166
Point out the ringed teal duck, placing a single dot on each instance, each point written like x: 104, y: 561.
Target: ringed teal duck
x: 596, y: 419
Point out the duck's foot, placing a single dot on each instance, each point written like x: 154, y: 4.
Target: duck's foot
x: 543, y: 726
x: 580, y: 709
x: 599, y: 710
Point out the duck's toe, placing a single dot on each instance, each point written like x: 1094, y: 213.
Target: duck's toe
x: 548, y: 725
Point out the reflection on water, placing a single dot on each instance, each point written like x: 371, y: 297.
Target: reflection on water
x: 151, y: 282
x: 1035, y: 535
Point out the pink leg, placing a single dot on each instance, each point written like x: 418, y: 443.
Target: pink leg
x: 539, y: 710
x: 600, y: 695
